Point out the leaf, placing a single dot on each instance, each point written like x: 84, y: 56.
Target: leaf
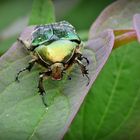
x: 22, y: 113
x: 136, y: 21
x: 12, y: 11
x: 116, y: 16
x: 112, y: 107
x: 9, y: 17
x: 4, y: 44
x: 42, y: 12
x: 83, y: 20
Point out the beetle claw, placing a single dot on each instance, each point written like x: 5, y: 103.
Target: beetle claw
x: 86, y: 60
x: 43, y: 100
x: 88, y: 79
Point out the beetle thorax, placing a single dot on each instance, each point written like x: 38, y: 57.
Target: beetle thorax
x: 57, y: 70
x: 57, y: 51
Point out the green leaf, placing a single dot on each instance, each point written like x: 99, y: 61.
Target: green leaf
x: 42, y: 12
x: 136, y: 21
x: 112, y: 107
x: 116, y: 16
x: 4, y: 45
x: 22, y: 113
x: 12, y: 11
x: 83, y: 20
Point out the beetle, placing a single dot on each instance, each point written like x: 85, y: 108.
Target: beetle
x: 56, y: 47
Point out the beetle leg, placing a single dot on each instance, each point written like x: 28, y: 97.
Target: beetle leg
x: 41, y: 86
x: 85, y: 59
x: 83, y: 69
x: 81, y: 57
x: 29, y: 67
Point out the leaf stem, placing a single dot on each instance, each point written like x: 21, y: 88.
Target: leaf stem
x: 124, y: 37
x: 122, y: 31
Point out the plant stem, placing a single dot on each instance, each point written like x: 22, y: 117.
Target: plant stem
x: 122, y: 31
x: 124, y: 37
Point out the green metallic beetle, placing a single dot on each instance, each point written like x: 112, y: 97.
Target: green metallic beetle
x: 56, y: 47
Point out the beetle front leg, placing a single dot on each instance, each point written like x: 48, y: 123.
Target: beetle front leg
x: 29, y: 67
x: 41, y: 88
x: 83, y: 69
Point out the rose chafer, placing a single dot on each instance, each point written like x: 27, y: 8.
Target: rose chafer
x: 56, y: 47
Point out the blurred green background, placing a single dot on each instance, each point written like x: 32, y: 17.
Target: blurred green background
x: 14, y: 16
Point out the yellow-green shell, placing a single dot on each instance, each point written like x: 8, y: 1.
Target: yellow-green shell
x: 57, y: 51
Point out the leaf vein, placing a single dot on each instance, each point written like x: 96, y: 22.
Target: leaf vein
x: 127, y: 115
x: 110, y: 98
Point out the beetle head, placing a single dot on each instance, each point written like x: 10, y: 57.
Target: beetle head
x: 57, y: 71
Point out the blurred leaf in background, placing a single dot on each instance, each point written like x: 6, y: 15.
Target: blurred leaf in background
x: 85, y: 12
x: 72, y: 10
x: 13, y: 18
